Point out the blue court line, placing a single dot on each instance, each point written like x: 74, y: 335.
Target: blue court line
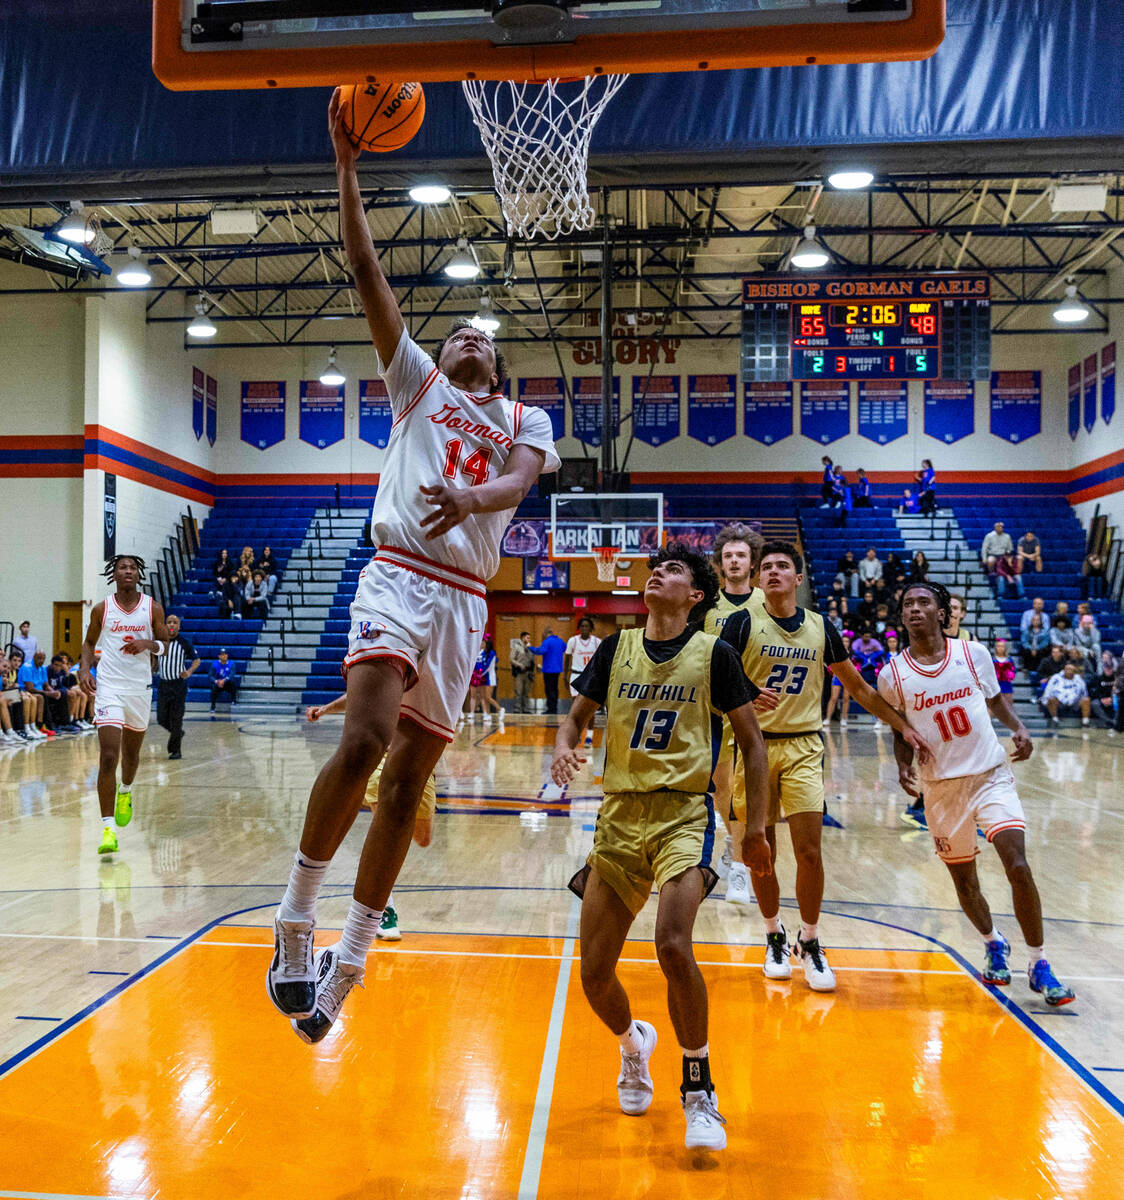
x: 107, y: 972
x: 164, y: 937
x: 1108, y: 1068
x: 38, y: 1018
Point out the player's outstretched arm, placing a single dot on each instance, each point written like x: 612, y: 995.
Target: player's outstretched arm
x: 755, y: 762
x: 907, y: 776
x: 315, y: 711
x: 858, y: 689
x: 383, y: 315
x: 1000, y: 708
x: 567, y: 760
x: 86, y: 661
x: 451, y: 505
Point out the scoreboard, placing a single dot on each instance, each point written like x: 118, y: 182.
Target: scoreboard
x: 934, y: 326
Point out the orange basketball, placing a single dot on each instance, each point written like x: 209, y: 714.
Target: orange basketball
x: 380, y: 115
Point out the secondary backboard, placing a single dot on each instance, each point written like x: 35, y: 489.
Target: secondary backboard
x: 583, y: 523
x: 212, y: 44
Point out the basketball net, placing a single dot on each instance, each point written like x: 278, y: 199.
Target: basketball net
x: 607, y: 563
x: 537, y: 139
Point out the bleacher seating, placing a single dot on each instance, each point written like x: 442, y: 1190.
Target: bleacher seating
x: 825, y: 542
x: 232, y: 524
x: 324, y: 682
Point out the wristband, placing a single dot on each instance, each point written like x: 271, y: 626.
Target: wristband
x: 159, y: 651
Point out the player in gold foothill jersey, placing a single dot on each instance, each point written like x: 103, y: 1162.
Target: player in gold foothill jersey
x: 784, y: 650
x: 737, y: 552
x: 664, y: 687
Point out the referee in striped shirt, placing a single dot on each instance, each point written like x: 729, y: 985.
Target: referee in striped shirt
x: 174, y: 674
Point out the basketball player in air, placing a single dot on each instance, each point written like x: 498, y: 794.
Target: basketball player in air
x: 460, y: 459
x: 664, y: 686
x: 736, y: 552
x: 949, y: 689
x: 784, y: 649
x: 128, y: 627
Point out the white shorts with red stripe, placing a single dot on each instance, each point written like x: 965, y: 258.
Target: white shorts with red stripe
x: 956, y: 808
x: 127, y: 710
x: 430, y: 617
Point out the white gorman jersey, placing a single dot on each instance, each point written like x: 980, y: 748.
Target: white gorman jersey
x: 947, y: 704
x: 581, y: 651
x: 120, y: 673
x: 442, y: 435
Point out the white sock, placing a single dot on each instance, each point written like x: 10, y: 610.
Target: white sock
x: 305, y: 878
x: 631, y: 1041
x: 808, y: 932
x: 993, y: 936
x: 773, y: 924
x: 1036, y: 953
x: 389, y: 901
x: 358, y: 933
x: 108, y: 822
x: 702, y: 1052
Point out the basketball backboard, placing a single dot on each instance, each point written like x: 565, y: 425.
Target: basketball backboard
x: 212, y: 44
x: 582, y: 524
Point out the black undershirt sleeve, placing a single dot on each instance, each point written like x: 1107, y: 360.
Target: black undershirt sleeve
x: 833, y: 650
x: 729, y: 687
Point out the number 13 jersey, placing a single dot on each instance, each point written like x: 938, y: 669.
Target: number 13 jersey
x: 946, y: 703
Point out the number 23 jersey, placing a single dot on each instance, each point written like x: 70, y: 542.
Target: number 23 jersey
x: 946, y: 703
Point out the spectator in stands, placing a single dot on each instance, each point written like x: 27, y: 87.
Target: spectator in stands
x: 32, y: 679
x: 247, y: 558
x: 869, y: 655
x: 1035, y: 641
x: 827, y: 487
x: 478, y: 685
x: 57, y: 695
x: 1066, y: 694
x: 230, y: 601
x: 841, y: 499
x: 1061, y: 609
x: 926, y: 480
x: 849, y: 569
x: 255, y: 598
x: 894, y: 570
x: 909, y: 502
x: 522, y: 672
x: 1007, y: 576
x: 1102, y: 690
x: 838, y: 593
x: 957, y: 614
x: 83, y: 701
x: 881, y: 619
x: 1037, y: 609
x: 837, y: 690
x: 1118, y: 697
x: 224, y: 682
x: 11, y: 704
x: 867, y: 612
x: 223, y: 568
x: 918, y: 568
x: 861, y: 491
x: 1061, y: 634
x: 1030, y: 551
x: 1092, y: 576
x: 268, y: 567
x: 995, y: 543
x: 553, y: 653
x: 893, y: 643
x: 870, y: 569
x: 1004, y: 667
x: 1087, y: 639
x: 26, y: 642
x: 1052, y: 664
x: 833, y: 616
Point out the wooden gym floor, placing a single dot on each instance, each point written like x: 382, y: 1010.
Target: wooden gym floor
x: 139, y: 1056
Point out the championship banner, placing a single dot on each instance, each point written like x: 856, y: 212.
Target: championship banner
x: 1090, y: 392
x: 547, y: 392
x: 375, y: 414
x: 197, y: 402
x: 263, y: 412
x: 109, y: 517
x: 768, y: 412
x: 1074, y: 423
x: 1016, y: 405
x: 1108, y: 382
x: 950, y: 409
x: 712, y: 408
x: 825, y: 410
x: 321, y: 413
x: 212, y: 409
x: 525, y: 537
x: 587, y: 408
x: 655, y: 407
x: 883, y: 410
x: 546, y: 573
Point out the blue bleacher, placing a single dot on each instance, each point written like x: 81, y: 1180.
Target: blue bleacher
x: 232, y: 524
x: 825, y: 542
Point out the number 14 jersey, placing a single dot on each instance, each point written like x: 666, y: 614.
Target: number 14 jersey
x: 946, y: 703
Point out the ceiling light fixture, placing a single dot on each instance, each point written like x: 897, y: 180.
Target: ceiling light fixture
x: 810, y: 254
x: 849, y: 179
x: 485, y: 320
x: 74, y: 226
x: 462, y: 265
x: 133, y: 272
x: 201, y: 325
x: 430, y: 193
x: 1071, y: 310
x: 332, y: 376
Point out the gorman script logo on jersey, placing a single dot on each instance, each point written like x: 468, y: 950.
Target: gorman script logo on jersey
x: 447, y: 417
x: 922, y: 701
x: 116, y: 626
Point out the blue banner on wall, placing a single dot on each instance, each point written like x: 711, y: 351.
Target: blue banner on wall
x: 768, y: 412
x: 546, y: 573
x: 1090, y: 392
x: 547, y: 392
x: 321, y: 413
x: 212, y: 409
x: 375, y: 413
x: 587, y: 408
x: 1016, y: 404
x: 197, y: 402
x: 1073, y: 422
x: 883, y: 410
x: 712, y: 408
x: 1108, y: 382
x: 655, y: 407
x: 263, y: 412
x: 825, y: 410
x: 950, y: 409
